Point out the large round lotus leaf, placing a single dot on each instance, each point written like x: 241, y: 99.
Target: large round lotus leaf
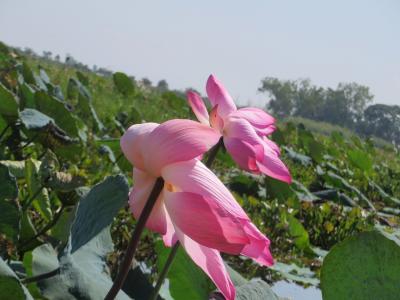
x: 8, y: 103
x: 97, y: 209
x: 10, y: 286
x: 33, y: 119
x: 366, y: 266
x: 56, y: 109
x: 186, y: 280
x: 9, y: 211
x: 360, y: 159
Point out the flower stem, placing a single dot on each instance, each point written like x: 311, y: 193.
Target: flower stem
x: 165, y: 270
x: 4, y: 131
x: 41, y: 276
x: 213, y: 153
x: 130, y: 251
x: 45, y: 228
x: 210, y: 159
x: 29, y: 201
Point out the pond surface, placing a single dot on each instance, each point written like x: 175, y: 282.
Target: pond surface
x: 296, y: 292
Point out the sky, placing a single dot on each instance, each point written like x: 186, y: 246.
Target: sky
x: 240, y: 42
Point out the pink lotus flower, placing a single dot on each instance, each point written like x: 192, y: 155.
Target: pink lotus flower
x: 244, y: 131
x: 194, y: 206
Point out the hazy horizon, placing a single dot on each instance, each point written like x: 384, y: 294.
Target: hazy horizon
x: 240, y: 43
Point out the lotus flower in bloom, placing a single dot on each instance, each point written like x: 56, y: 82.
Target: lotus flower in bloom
x: 194, y: 206
x: 244, y: 131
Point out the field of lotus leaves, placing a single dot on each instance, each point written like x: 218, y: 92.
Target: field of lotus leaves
x: 64, y: 184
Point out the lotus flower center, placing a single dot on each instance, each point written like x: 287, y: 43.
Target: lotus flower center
x: 170, y: 187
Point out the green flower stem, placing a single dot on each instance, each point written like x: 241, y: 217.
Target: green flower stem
x: 4, y: 131
x: 28, y: 201
x: 41, y: 276
x: 213, y: 153
x: 210, y: 159
x: 165, y: 270
x: 45, y: 228
x: 130, y: 251
x: 30, y: 141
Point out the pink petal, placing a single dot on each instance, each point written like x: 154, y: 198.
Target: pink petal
x: 215, y: 120
x: 241, y: 129
x: 210, y: 261
x: 258, y: 248
x: 198, y: 107
x: 131, y: 141
x: 272, y: 145
x: 265, y: 131
x: 218, y: 95
x: 170, y: 236
x: 176, y: 140
x: 269, y: 164
x: 244, y: 154
x: 205, y: 222
x: 143, y: 184
x: 243, y: 143
x: 256, y: 116
x: 194, y: 177
x: 272, y: 166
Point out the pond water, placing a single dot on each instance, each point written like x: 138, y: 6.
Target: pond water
x: 296, y: 292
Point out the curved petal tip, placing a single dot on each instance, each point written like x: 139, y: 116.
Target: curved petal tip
x: 219, y: 95
x: 198, y: 107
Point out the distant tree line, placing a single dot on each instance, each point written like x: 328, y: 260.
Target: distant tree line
x: 349, y: 105
x: 162, y: 85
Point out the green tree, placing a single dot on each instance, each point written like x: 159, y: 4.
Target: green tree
x: 282, y: 93
x: 344, y: 105
x: 357, y: 96
x: 162, y: 86
x: 383, y: 121
x: 309, y: 100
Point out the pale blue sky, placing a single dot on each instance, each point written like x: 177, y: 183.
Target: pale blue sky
x: 239, y: 41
